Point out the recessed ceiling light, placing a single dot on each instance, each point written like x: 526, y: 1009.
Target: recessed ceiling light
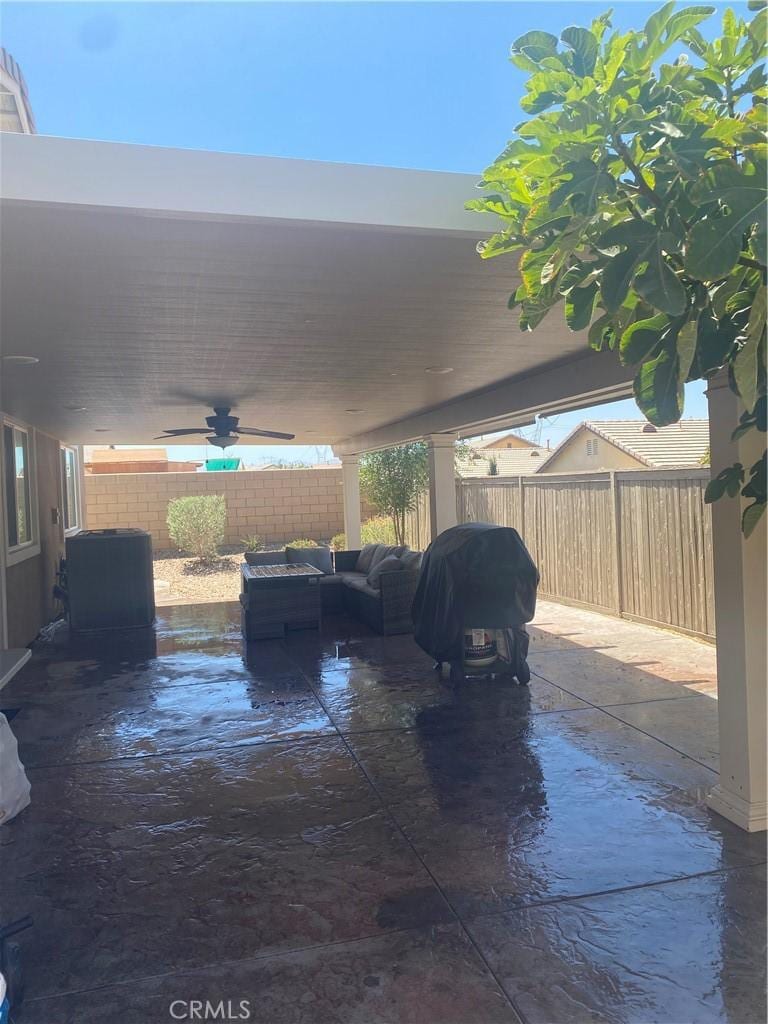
x: 353, y: 410
x: 21, y: 360
x: 76, y: 408
x: 438, y: 369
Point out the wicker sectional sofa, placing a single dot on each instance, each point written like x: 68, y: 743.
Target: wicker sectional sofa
x: 381, y: 597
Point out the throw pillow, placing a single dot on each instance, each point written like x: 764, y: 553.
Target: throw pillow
x: 365, y: 558
x: 389, y: 564
x: 319, y: 557
x: 411, y: 561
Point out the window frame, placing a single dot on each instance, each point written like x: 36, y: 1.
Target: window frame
x: 29, y: 548
x: 64, y: 450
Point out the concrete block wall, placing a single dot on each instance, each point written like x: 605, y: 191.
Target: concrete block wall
x: 279, y: 505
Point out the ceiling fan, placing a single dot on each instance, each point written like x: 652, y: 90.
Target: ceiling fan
x: 223, y: 430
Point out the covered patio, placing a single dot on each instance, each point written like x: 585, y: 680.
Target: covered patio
x: 321, y: 829
x: 318, y: 825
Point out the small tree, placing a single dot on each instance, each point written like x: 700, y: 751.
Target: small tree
x: 197, y: 523
x: 394, y: 479
x: 636, y: 196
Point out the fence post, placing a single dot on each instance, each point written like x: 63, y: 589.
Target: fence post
x: 521, y: 485
x: 616, y: 546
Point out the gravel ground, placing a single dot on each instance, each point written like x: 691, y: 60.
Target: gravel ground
x: 181, y: 580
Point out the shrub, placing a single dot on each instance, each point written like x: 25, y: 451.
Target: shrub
x: 196, y: 524
x: 302, y: 543
x: 377, y: 530
x: 253, y: 542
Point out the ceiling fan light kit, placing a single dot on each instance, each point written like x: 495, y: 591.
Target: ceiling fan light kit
x: 223, y: 430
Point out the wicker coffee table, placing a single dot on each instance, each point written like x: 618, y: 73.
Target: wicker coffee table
x: 279, y: 597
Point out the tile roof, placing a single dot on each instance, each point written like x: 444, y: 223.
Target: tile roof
x: 509, y: 461
x: 680, y: 444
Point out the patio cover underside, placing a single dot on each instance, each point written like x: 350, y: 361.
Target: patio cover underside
x: 154, y: 283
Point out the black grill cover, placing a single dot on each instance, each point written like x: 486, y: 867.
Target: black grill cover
x: 477, y: 575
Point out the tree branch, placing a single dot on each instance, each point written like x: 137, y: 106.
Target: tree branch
x: 623, y: 151
x: 746, y: 261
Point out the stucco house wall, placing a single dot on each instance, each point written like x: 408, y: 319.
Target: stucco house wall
x: 29, y: 583
x: 572, y: 456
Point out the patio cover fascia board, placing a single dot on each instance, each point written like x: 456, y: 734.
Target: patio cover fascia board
x: 197, y: 183
x: 573, y: 384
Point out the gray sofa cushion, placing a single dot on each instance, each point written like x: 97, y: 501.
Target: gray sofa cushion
x: 319, y: 557
x: 411, y: 560
x: 361, y: 584
x: 265, y: 557
x: 365, y: 558
x: 391, y: 563
x: 346, y: 576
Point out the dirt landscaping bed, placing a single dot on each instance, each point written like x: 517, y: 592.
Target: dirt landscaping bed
x: 180, y: 579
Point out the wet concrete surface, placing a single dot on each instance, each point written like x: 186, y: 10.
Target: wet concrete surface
x: 323, y: 829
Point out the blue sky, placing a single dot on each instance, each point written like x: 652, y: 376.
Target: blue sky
x: 424, y: 85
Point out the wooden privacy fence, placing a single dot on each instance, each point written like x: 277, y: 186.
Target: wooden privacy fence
x: 635, y: 543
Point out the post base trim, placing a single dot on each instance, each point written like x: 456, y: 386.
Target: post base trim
x: 752, y: 817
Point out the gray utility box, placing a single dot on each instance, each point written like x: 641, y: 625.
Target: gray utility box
x: 109, y: 579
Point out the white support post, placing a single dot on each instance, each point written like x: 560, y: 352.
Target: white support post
x: 350, y: 475
x: 442, y: 482
x: 82, y: 502
x: 740, y: 604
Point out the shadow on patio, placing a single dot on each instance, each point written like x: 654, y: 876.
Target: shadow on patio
x: 326, y: 831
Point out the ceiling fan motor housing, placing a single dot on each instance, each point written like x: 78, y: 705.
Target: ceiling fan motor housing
x: 222, y: 423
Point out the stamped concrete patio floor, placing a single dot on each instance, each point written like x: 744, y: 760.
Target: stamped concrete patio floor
x: 322, y: 831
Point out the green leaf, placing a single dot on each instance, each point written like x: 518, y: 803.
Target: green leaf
x: 685, y: 20
x: 657, y: 22
x: 660, y: 287
x: 714, y: 340
x: 658, y: 391
x: 641, y: 339
x: 602, y: 332
x: 579, y: 306
x: 715, y: 243
x: 535, y: 46
x: 746, y: 365
x: 617, y: 279
x: 496, y: 245
x: 584, y: 46
x: 586, y: 183
x: 686, y: 349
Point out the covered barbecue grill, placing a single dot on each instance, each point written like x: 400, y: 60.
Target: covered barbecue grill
x: 476, y: 578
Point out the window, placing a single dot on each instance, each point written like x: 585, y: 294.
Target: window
x: 20, y: 494
x: 592, y: 446
x: 70, y: 489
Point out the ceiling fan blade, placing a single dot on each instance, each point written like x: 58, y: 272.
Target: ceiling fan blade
x: 183, y: 430
x: 264, y: 433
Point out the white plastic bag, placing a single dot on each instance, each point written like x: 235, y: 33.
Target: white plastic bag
x: 14, y: 784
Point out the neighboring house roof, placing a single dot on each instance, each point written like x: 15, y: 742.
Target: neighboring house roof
x: 509, y: 461
x: 97, y: 455
x: 502, y: 442
x: 680, y: 444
